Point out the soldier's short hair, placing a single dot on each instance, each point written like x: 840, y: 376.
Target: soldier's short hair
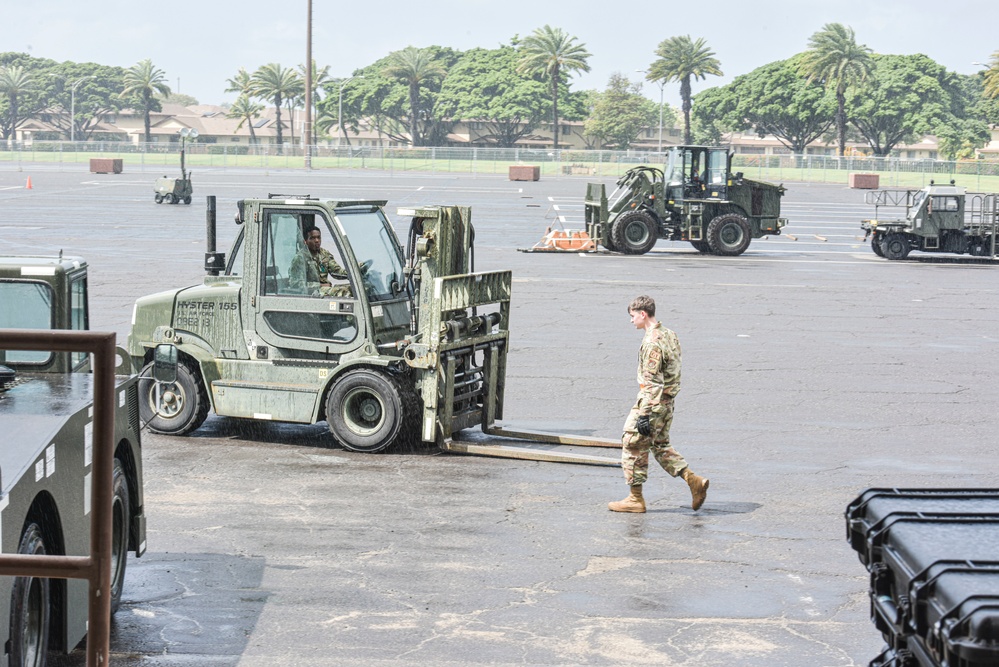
x: 308, y: 229
x: 643, y: 303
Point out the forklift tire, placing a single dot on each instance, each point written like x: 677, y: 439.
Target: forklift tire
x: 158, y: 198
x: 729, y: 235
x: 365, y: 411
x: 184, y: 404
x: 169, y: 198
x: 30, y: 613
x: 895, y: 246
x: 876, y: 245
x: 187, y: 200
x: 634, y: 233
x: 121, y: 516
x: 701, y: 246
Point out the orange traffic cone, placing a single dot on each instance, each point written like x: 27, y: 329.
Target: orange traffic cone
x: 28, y: 186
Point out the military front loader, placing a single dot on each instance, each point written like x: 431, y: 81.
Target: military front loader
x: 938, y: 218
x: 697, y: 199
x: 401, y: 347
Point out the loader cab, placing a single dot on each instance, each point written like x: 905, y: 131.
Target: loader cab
x: 697, y: 172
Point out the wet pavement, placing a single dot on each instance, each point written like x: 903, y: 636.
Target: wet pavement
x: 812, y: 371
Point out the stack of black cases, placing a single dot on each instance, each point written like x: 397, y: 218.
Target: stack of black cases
x: 933, y: 557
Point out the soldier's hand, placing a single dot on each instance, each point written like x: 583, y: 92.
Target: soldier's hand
x: 643, y: 425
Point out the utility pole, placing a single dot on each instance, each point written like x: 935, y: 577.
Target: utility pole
x: 307, y: 130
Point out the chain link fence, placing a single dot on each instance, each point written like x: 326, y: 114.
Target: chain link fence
x: 156, y: 157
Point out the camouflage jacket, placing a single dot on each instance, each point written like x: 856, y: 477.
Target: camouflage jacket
x: 317, y: 270
x: 658, y: 368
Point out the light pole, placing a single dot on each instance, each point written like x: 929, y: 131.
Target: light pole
x: 339, y: 108
x: 662, y: 86
x: 72, y: 101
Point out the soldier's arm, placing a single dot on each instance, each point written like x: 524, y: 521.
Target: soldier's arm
x: 651, y: 389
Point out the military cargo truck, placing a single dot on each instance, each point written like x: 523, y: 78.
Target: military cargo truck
x: 938, y: 218
x: 46, y: 466
x: 400, y: 347
x: 697, y: 199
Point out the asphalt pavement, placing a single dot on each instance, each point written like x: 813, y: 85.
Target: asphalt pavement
x: 812, y: 370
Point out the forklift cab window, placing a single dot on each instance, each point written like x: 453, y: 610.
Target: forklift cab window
x: 235, y: 267
x: 375, y: 248
x: 290, y: 269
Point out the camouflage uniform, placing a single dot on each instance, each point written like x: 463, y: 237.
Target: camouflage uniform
x: 659, y: 383
x: 318, y: 269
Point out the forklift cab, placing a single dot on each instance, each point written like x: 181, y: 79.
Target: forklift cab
x: 697, y: 172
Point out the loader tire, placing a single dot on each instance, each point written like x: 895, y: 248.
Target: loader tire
x: 634, y: 233
x: 158, y: 198
x: 367, y: 411
x: 183, y: 406
x: 701, y: 247
x: 729, y: 235
x: 169, y: 198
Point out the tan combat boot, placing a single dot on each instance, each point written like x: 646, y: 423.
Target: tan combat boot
x: 698, y: 488
x: 633, y: 503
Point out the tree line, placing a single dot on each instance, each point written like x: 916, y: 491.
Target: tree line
x: 837, y: 89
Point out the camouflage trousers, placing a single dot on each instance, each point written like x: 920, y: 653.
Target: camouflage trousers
x: 636, y: 447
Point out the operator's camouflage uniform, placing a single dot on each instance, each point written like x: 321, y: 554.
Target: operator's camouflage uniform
x: 318, y: 269
x: 659, y: 382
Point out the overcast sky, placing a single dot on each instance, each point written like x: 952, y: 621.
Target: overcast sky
x: 201, y: 44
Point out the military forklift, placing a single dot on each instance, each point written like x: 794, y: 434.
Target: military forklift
x: 938, y: 218
x: 403, y: 347
x: 696, y: 198
x: 176, y: 190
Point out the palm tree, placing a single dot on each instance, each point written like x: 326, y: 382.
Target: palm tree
x: 14, y: 83
x: 681, y: 58
x: 241, y: 84
x: 246, y: 110
x: 992, y: 77
x: 414, y: 67
x: 145, y: 80
x: 274, y: 83
x: 834, y: 58
x: 551, y: 53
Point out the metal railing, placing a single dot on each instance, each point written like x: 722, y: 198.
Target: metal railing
x: 96, y: 567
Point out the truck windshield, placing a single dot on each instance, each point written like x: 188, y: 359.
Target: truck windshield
x: 26, y: 305
x: 369, y: 237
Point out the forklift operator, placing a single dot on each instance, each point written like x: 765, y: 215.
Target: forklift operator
x: 320, y: 266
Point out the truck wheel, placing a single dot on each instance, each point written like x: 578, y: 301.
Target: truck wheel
x: 29, y: 608
x: 729, y: 234
x: 365, y: 411
x: 634, y: 233
x: 183, y: 405
x: 187, y: 200
x: 895, y: 246
x: 701, y: 246
x: 876, y: 245
x: 169, y: 198
x: 158, y: 198
x: 121, y: 512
